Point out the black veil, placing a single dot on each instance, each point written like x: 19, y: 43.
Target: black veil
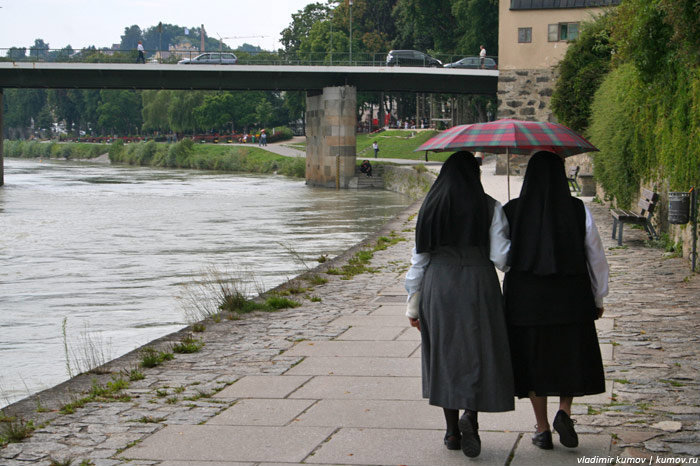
x: 455, y: 210
x: 547, y: 224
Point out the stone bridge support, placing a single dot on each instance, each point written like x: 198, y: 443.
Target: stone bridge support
x: 330, y: 136
x: 2, y: 144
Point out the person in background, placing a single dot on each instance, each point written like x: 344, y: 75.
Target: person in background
x: 375, y: 146
x: 455, y: 301
x: 554, y: 292
x: 140, y: 58
x: 482, y: 56
x: 366, y: 168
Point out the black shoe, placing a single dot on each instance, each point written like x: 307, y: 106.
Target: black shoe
x: 453, y: 441
x: 564, y: 426
x: 543, y: 440
x: 471, y: 443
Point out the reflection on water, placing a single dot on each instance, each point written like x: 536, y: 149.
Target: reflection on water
x: 109, y: 248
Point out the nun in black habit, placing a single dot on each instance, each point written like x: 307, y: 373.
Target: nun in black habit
x: 455, y: 301
x: 554, y: 291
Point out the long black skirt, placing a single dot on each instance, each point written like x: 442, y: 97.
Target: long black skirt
x: 556, y: 360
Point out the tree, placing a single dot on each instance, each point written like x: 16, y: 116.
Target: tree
x: 181, y: 110
x: 478, y: 22
x: 264, y: 112
x: 217, y: 111
x: 119, y: 111
x: 583, y: 68
x: 39, y: 51
x: 302, y: 22
x: 131, y: 37
x: 22, y: 106
x: 154, y: 110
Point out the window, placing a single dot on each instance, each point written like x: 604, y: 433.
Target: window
x: 562, y: 32
x: 524, y: 35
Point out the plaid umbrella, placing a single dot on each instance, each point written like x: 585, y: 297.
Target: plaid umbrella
x: 510, y: 136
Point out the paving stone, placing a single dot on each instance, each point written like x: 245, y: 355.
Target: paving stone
x: 363, y: 388
x: 413, y: 447
x: 399, y: 367
x: 371, y: 321
x: 526, y: 454
x: 372, y: 334
x: 391, y: 310
x: 261, y: 412
x: 230, y: 443
x: 263, y: 386
x: 348, y: 349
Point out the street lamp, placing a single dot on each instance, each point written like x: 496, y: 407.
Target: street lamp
x: 350, y: 2
x: 331, y: 37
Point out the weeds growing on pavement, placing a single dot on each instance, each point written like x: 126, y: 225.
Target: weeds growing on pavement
x: 188, y: 344
x: 220, y: 292
x: 13, y: 430
x: 110, y: 392
x: 150, y: 357
x: 133, y: 374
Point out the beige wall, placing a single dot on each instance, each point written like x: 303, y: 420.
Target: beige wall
x: 539, y: 53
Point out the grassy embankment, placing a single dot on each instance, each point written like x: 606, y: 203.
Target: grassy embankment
x: 184, y: 154
x: 393, y: 144
x: 398, y: 144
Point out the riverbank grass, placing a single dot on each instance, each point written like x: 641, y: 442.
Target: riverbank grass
x: 398, y: 144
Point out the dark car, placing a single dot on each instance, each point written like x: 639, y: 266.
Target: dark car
x: 411, y: 58
x: 211, y: 58
x: 474, y: 63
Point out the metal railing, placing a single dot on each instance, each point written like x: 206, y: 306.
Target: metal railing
x: 244, y: 58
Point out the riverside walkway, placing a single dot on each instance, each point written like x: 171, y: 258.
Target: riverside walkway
x: 337, y: 381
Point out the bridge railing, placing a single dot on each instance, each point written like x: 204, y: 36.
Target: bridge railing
x: 280, y: 58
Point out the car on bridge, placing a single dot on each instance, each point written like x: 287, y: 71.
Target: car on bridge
x: 211, y: 58
x: 474, y: 63
x: 411, y: 58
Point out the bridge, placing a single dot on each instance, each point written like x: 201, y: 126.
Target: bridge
x: 330, y: 103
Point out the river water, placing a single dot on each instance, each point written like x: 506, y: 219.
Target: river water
x: 109, y: 248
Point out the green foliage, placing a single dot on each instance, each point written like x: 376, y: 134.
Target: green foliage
x: 397, y: 144
x: 278, y: 302
x: 35, y: 149
x: 581, y: 71
x: 15, y: 430
x: 186, y: 154
x: 150, y: 357
x: 646, y: 132
x: 646, y: 114
x: 188, y: 344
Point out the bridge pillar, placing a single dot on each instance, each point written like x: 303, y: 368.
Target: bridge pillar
x: 2, y: 144
x: 330, y: 136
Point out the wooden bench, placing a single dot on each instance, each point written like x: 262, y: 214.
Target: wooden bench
x: 572, y: 178
x: 646, y: 205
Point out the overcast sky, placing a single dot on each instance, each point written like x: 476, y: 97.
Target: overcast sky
x: 81, y: 23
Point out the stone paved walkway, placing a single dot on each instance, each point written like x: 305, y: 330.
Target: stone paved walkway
x: 337, y: 381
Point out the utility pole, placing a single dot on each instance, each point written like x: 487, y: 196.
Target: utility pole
x: 350, y: 2
x: 201, y: 36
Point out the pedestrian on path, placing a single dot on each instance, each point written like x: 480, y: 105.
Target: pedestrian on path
x: 455, y: 301
x: 554, y: 291
x: 140, y: 58
x: 482, y: 56
x: 375, y: 146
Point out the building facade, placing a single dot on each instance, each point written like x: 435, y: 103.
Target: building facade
x: 533, y: 36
